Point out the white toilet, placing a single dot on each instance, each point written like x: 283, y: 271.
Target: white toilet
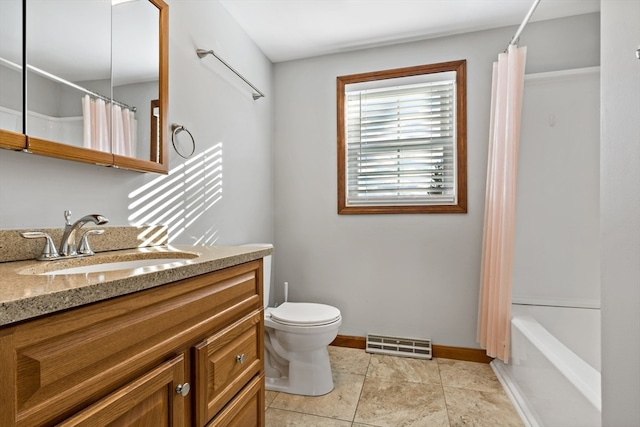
x: 296, y: 336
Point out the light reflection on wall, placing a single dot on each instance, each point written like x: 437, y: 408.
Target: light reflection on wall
x: 178, y: 199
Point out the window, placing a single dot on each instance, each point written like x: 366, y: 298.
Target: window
x: 402, y: 140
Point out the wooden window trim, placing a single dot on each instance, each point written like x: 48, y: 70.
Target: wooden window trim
x: 461, y: 141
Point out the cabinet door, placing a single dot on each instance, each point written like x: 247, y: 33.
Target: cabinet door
x: 246, y: 410
x: 150, y: 400
x: 225, y: 363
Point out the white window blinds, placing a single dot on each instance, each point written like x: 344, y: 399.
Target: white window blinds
x: 401, y: 144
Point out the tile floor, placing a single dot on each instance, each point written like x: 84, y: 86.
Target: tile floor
x: 386, y: 391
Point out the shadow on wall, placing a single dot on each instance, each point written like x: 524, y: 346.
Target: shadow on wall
x: 181, y: 197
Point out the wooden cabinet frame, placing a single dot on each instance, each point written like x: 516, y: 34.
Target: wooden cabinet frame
x: 159, y: 155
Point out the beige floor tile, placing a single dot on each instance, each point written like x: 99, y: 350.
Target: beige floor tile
x: 349, y: 360
x: 281, y: 418
x: 339, y: 404
x: 404, y: 369
x: 469, y: 375
x: 386, y: 391
x: 387, y: 403
x: 269, y: 396
x: 480, y: 409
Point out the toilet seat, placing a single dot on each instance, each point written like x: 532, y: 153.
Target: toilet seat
x: 304, y: 314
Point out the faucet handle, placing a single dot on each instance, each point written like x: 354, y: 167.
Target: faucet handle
x: 67, y: 217
x: 49, y: 251
x: 84, y: 248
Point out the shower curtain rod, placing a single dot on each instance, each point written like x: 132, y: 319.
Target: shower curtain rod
x: 516, y: 36
x: 202, y: 53
x: 53, y: 77
x: 80, y: 88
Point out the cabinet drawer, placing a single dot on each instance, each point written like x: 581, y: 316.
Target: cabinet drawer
x: 246, y: 410
x: 225, y: 363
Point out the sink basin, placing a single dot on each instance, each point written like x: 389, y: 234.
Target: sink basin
x: 111, y: 262
x: 112, y: 266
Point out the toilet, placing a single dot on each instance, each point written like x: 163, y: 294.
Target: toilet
x: 296, y: 336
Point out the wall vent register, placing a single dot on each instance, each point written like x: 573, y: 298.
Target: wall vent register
x: 396, y: 346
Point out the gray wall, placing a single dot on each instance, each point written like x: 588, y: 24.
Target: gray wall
x: 216, y: 107
x: 139, y: 95
x: 620, y: 213
x: 558, y: 199
x: 10, y: 88
x: 406, y: 275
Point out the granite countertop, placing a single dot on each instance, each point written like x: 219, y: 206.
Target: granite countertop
x: 25, y: 294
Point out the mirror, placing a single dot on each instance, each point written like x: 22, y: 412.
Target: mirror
x: 140, y: 78
x: 68, y: 58
x: 136, y: 78
x: 93, y: 70
x: 11, y: 97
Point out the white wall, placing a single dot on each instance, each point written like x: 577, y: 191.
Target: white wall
x: 228, y: 126
x: 558, y: 200
x: 620, y: 213
x: 407, y: 275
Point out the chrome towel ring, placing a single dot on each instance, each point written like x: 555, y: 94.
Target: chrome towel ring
x: 176, y: 129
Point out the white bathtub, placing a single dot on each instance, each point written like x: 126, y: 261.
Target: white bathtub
x: 553, y: 376
x: 67, y: 129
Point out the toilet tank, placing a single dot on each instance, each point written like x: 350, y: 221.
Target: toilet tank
x: 266, y: 268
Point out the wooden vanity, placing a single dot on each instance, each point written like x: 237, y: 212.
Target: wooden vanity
x: 188, y: 352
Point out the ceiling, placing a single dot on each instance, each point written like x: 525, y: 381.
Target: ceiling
x: 293, y: 29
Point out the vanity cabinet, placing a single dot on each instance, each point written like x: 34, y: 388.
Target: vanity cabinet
x: 126, y: 361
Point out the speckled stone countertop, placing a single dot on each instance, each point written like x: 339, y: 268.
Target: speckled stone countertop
x: 14, y: 247
x: 26, y: 293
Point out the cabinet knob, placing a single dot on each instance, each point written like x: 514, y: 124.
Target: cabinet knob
x: 183, y: 389
x: 240, y: 358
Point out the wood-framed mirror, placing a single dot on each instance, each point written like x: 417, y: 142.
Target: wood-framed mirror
x: 135, y: 82
x: 90, y: 81
x: 11, y: 87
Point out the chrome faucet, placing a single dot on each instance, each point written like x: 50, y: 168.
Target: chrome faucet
x: 68, y: 246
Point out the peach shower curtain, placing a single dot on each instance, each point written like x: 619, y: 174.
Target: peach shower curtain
x: 494, y: 313
x: 120, y: 139
x: 95, y: 124
x: 123, y: 134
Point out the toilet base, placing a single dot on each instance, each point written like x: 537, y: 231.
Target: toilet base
x: 309, y: 375
x: 277, y: 384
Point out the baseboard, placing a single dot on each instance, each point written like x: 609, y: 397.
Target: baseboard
x: 461, y: 353
x: 350, y: 341
x: 441, y: 351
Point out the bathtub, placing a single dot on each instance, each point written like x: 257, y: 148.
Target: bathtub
x: 68, y: 129
x: 553, y: 375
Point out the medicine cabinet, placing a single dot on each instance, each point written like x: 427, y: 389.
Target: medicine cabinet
x: 86, y: 81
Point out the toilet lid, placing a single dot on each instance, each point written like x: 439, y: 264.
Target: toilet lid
x: 305, y: 314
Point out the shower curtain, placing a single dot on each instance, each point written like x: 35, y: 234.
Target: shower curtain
x: 494, y: 312
x: 97, y: 135
x: 95, y: 124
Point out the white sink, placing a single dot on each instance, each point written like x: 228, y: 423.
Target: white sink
x: 112, y: 261
x: 111, y: 266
